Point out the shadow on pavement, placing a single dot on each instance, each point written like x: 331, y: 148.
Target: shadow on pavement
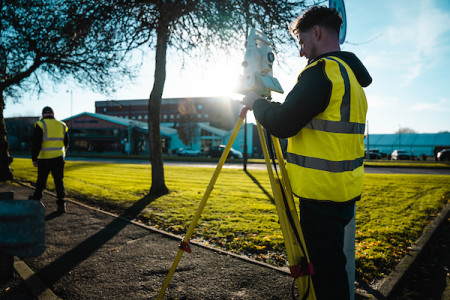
x: 64, y: 264
x: 52, y: 215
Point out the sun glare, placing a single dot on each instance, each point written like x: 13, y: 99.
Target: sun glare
x: 217, y: 77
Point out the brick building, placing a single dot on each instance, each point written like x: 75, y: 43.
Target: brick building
x: 100, y: 133
x: 218, y: 112
x: 201, y: 122
x: 121, y: 127
x: 20, y: 132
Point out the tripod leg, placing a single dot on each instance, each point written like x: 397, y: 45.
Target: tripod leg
x: 281, y: 164
x: 277, y: 196
x: 288, y: 217
x: 184, y: 244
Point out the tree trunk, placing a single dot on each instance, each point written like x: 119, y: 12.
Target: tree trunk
x: 5, y: 159
x: 158, y: 186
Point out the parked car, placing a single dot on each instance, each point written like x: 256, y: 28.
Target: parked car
x: 400, y: 155
x: 188, y: 152
x: 443, y: 155
x: 216, y: 151
x: 372, y: 155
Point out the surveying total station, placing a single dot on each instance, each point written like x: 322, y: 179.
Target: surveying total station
x: 258, y: 62
x: 258, y: 77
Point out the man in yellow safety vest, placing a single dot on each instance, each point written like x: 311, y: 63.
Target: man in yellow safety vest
x: 324, y: 118
x: 50, y: 142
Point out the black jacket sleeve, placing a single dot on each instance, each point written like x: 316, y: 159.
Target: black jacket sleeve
x: 36, y: 142
x: 309, y: 97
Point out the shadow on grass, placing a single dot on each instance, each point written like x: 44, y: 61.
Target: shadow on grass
x: 54, y: 271
x: 260, y: 186
x: 71, y: 166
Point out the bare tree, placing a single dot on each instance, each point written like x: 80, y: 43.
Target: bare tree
x: 405, y: 130
x: 195, y: 24
x: 54, y: 39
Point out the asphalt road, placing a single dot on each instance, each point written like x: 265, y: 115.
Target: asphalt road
x: 254, y: 166
x: 259, y: 166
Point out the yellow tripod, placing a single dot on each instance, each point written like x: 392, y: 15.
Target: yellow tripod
x: 300, y: 265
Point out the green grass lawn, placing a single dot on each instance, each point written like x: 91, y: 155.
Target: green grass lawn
x: 407, y: 164
x: 240, y: 215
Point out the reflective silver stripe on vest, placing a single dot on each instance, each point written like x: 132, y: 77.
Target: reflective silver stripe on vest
x: 336, y: 126
x: 45, y: 136
x: 345, y: 104
x: 323, y: 164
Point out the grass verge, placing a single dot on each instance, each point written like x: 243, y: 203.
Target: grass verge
x: 240, y: 215
x: 408, y: 164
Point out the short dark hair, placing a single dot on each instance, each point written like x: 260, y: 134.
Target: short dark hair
x: 47, y: 110
x: 317, y: 15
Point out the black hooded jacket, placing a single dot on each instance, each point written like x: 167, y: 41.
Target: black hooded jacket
x: 309, y: 97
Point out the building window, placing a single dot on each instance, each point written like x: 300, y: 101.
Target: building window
x: 206, y: 116
x: 165, y: 117
x: 199, y: 116
x: 172, y: 116
x: 204, y: 132
x: 104, y: 109
x: 146, y: 117
x: 133, y: 117
x: 199, y: 106
x: 178, y: 116
x: 139, y: 117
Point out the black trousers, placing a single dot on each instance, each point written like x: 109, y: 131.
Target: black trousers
x: 56, y: 167
x: 323, y: 226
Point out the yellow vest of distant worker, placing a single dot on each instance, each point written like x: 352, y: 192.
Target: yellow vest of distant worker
x: 53, y: 132
x: 325, y: 158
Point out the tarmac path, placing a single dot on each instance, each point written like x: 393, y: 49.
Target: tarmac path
x: 94, y: 255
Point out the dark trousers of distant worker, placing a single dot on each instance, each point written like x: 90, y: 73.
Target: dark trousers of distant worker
x: 56, y: 167
x: 323, y: 226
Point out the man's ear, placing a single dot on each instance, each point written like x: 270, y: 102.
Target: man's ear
x: 317, y: 32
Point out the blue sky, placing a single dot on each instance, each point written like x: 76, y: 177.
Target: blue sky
x: 404, y: 44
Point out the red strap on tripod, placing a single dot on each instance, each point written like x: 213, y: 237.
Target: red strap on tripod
x: 185, y: 247
x: 243, y: 112
x: 301, y: 270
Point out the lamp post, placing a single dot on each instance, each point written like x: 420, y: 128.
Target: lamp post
x: 245, y: 144
x: 71, y: 115
x: 368, y: 144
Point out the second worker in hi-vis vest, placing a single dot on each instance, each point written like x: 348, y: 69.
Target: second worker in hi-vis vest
x: 324, y: 118
x: 50, y: 142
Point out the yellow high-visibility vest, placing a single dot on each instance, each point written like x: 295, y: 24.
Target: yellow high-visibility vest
x: 52, y: 138
x: 325, y: 158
